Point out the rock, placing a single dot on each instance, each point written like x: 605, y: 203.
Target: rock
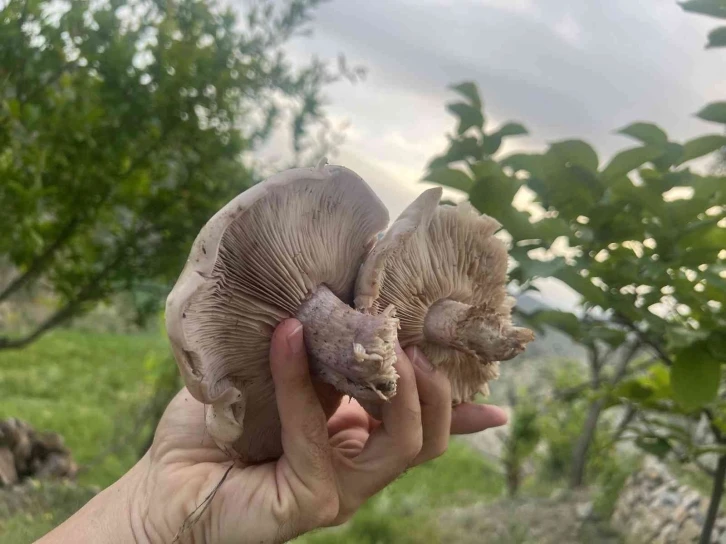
x: 666, y: 534
x: 654, y: 507
x: 26, y: 453
x: 583, y: 510
x: 680, y: 514
x: 668, y: 498
x: 690, y: 532
x: 8, y: 474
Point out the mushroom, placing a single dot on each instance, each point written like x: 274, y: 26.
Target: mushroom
x: 288, y: 247
x: 445, y: 272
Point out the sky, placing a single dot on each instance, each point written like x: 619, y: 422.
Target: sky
x: 564, y: 68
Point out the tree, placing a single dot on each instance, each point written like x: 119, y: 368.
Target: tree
x: 641, y: 239
x: 122, y: 129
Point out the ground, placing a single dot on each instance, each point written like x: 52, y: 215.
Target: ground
x: 92, y: 389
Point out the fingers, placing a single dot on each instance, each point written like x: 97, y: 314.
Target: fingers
x: 304, y: 429
x: 470, y: 418
x: 434, y: 392
x: 394, y: 444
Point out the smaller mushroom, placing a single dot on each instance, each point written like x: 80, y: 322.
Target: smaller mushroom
x: 445, y: 272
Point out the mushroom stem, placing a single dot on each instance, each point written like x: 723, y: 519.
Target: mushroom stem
x: 352, y: 351
x: 475, y: 329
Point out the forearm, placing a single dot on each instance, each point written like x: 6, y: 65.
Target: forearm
x: 109, y: 517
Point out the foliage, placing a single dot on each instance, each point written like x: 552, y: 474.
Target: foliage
x: 521, y: 441
x: 713, y: 8
x: 122, y: 130
x: 640, y: 238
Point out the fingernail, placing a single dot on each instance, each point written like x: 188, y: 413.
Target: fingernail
x: 295, y: 341
x: 420, y: 360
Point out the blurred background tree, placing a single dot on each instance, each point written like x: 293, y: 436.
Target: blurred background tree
x: 124, y: 126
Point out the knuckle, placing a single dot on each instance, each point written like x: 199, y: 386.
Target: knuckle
x: 411, y: 446
x: 440, y: 449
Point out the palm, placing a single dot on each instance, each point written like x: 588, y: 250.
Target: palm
x: 188, y: 463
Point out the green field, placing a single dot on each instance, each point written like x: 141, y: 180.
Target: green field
x: 91, y: 388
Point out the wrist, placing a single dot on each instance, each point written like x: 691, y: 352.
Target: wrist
x: 112, y: 516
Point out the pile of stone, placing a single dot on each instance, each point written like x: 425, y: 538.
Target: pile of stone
x: 27, y: 453
x: 654, y: 507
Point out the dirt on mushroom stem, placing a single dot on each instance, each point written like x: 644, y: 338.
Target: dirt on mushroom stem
x: 477, y: 330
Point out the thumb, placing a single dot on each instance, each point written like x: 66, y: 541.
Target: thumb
x: 304, y: 427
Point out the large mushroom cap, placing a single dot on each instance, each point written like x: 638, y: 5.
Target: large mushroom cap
x: 445, y: 272
x: 296, y: 235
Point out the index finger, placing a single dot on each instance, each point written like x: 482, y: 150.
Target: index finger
x: 304, y: 428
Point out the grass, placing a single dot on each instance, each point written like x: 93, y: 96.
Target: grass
x: 30, y: 511
x: 89, y: 388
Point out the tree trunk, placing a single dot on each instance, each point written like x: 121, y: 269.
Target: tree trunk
x: 582, y: 446
x: 716, y: 494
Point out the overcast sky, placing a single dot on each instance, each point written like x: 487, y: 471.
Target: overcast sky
x: 564, y: 68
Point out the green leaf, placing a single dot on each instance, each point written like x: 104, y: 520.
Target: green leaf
x: 678, y: 338
x: 490, y: 144
x: 469, y: 116
x: 460, y: 149
x: 521, y: 161
x: 576, y: 152
x: 611, y: 336
x: 655, y: 445
x: 714, y: 112
x: 717, y: 345
x: 628, y: 160
x: 512, y: 129
x: 695, y: 377
x: 715, y: 8
x: 648, y: 133
x: 717, y: 37
x: 450, y: 177
x: 467, y: 89
x: 704, y: 145
x: 671, y: 155
x: 563, y: 321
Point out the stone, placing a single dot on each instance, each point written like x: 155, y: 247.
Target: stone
x: 689, y: 532
x: 668, y: 498
x: 26, y: 453
x: 666, y: 534
x: 691, y: 499
x: 8, y: 474
x: 583, y: 510
x: 680, y: 514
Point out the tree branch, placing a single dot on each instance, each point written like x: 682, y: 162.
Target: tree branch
x: 69, y: 229
x: 39, y: 262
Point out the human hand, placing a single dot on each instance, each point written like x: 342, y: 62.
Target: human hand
x: 328, y: 469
